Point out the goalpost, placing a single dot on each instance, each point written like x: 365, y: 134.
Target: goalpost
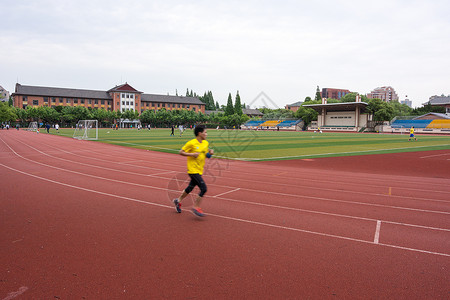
x: 86, y: 130
x: 32, y: 126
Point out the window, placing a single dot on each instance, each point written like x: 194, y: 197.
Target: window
x: 45, y: 100
x: 82, y: 101
x: 35, y: 102
x: 89, y: 101
x: 25, y: 98
x: 75, y: 100
x: 103, y: 102
x: 96, y: 102
x: 128, y: 102
x: 53, y: 100
x: 61, y: 100
x: 123, y: 102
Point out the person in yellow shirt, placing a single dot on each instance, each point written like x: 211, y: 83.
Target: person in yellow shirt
x: 411, y: 134
x: 196, y: 151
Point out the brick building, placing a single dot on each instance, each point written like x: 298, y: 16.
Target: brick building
x: 123, y: 97
x: 334, y: 93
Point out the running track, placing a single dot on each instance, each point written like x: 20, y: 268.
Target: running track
x: 85, y: 220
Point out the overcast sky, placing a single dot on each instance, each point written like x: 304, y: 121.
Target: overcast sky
x: 284, y: 49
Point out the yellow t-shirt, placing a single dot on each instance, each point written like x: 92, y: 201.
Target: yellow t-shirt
x: 195, y: 164
x: 411, y: 131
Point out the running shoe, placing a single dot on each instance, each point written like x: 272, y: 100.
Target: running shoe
x: 177, y: 205
x: 198, y: 212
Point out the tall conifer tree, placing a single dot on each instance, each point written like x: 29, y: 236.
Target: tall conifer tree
x: 229, y: 110
x: 238, y: 105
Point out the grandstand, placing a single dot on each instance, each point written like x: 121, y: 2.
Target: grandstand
x: 272, y: 124
x: 421, y: 125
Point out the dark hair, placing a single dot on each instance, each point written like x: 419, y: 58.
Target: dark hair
x: 198, y: 129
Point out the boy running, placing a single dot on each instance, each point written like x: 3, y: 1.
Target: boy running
x: 411, y: 134
x: 196, y: 151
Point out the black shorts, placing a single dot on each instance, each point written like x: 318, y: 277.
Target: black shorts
x: 196, y: 179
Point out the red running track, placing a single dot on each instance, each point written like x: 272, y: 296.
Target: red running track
x: 85, y: 220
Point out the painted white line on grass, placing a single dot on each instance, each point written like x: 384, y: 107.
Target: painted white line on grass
x: 224, y: 217
x: 237, y: 189
x: 376, y: 239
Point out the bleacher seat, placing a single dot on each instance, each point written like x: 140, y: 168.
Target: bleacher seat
x: 410, y: 123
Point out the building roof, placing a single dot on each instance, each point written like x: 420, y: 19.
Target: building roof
x: 439, y: 100
x: 28, y: 90
x: 124, y: 88
x: 299, y: 103
x: 437, y: 115
x: 252, y: 112
x: 171, y: 99
x: 346, y: 106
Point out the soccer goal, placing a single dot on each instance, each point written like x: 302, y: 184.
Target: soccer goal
x: 32, y: 126
x: 86, y: 130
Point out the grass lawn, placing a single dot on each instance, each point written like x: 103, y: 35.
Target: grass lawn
x: 272, y: 145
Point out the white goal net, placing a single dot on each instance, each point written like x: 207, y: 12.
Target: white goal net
x: 33, y: 126
x: 86, y: 130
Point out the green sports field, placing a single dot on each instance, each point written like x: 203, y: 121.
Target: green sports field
x: 272, y: 145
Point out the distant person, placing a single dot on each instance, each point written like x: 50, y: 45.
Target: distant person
x: 48, y: 128
x: 57, y: 128
x: 17, y: 126
x: 411, y: 134
x: 181, y: 128
x: 173, y: 129
x: 196, y: 150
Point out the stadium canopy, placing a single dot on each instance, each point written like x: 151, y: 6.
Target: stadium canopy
x: 346, y: 106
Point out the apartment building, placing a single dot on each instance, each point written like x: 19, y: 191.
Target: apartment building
x: 385, y: 93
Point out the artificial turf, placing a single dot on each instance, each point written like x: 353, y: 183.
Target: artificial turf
x: 272, y: 145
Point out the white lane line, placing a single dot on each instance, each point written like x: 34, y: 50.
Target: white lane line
x: 376, y: 239
x: 228, y: 199
x: 225, y: 217
x: 435, y: 155
x: 227, y: 192
x: 13, y: 295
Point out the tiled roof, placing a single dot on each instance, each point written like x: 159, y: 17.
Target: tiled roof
x: 254, y: 112
x: 299, y: 103
x: 439, y: 100
x: 60, y: 92
x: 170, y: 99
x: 442, y: 116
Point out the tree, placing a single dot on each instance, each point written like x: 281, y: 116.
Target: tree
x: 307, y: 99
x: 229, y: 109
x: 318, y: 94
x: 7, y: 113
x: 237, y: 105
x: 351, y: 97
x: 380, y: 110
x: 306, y: 114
